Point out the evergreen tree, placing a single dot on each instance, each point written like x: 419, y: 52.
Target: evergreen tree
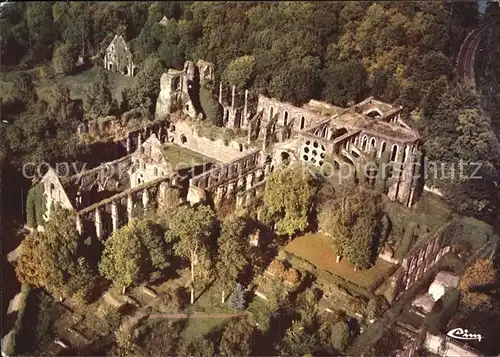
x: 237, y: 299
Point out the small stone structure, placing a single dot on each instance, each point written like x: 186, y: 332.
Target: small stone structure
x: 118, y: 57
x: 443, y: 282
x: 420, y: 260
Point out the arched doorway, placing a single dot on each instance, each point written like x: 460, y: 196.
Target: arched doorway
x: 285, y: 158
x: 125, y: 71
x: 183, y: 139
x: 110, y: 66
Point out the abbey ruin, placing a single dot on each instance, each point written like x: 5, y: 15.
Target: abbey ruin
x: 273, y: 134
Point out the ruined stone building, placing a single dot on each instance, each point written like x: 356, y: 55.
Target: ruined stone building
x: 277, y: 133
x: 315, y: 133
x: 118, y: 57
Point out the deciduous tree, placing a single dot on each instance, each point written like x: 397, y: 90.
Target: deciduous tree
x: 193, y: 226
x: 231, y: 258
x: 133, y: 254
x: 238, y: 338
x: 482, y: 272
x: 288, y: 198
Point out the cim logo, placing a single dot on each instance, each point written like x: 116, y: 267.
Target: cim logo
x: 462, y: 334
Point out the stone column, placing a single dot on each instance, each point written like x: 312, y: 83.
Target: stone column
x: 79, y: 227
x: 130, y: 206
x: 139, y: 142
x: 98, y: 223
x: 249, y: 181
x: 129, y: 144
x: 145, y: 198
x: 114, y: 215
x: 220, y: 92
x: 239, y: 200
x: 245, y: 109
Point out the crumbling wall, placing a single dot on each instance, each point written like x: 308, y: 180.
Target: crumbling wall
x: 187, y: 136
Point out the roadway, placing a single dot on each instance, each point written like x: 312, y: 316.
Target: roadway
x: 467, y: 54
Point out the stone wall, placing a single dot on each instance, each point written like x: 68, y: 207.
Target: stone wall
x: 287, y: 113
x: 422, y: 258
x: 447, y: 347
x: 186, y: 135
x: 102, y: 218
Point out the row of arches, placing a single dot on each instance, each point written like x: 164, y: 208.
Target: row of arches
x: 368, y: 145
x: 285, y: 118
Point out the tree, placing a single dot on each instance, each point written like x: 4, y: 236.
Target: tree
x: 192, y: 226
x: 63, y: 60
x: 58, y: 269
x: 161, y: 338
x: 376, y: 306
x: 202, y: 346
x: 97, y: 97
x: 288, y: 198
x: 168, y: 205
x: 237, y: 300
x: 146, y: 86
x: 297, y: 341
x: 240, y: 72
x: 133, y: 254
x: 211, y: 108
x: 238, y: 338
x: 340, y: 336
x: 480, y: 273
x: 344, y: 81
x: 41, y: 29
x: 352, y: 220
x: 231, y: 254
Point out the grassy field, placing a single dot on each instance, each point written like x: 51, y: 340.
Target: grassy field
x: 317, y: 250
x: 177, y: 155
x: 76, y: 83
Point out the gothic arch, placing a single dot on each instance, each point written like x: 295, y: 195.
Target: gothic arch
x: 302, y: 122
x: 373, y: 142
x: 382, y: 148
x: 394, y: 152
x: 285, y: 118
x: 364, y: 142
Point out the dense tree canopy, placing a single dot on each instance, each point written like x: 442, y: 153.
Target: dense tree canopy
x: 50, y: 259
x: 192, y: 226
x: 351, y: 216
x: 134, y: 253
x: 288, y: 198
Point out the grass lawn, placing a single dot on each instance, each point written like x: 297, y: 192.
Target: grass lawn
x: 430, y: 212
x: 180, y: 155
x: 199, y: 327
x: 317, y: 250
x: 77, y: 82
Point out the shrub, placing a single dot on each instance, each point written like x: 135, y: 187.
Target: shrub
x: 276, y: 268
x: 376, y: 306
x: 110, y: 315
x: 174, y: 300
x: 292, y: 276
